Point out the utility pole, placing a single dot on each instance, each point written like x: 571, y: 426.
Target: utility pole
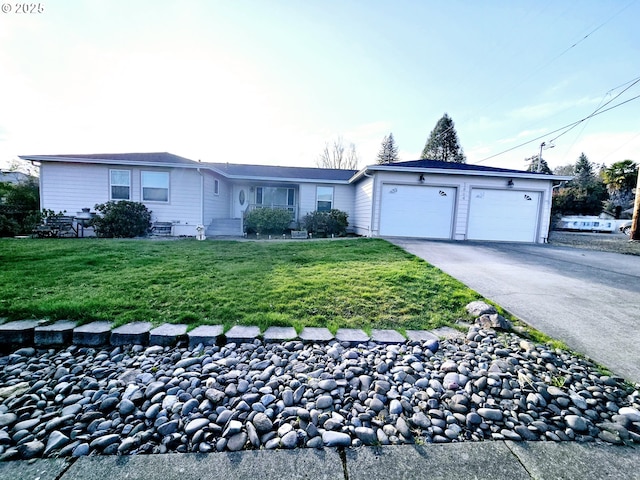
x: 543, y: 144
x: 635, y: 224
x: 539, y: 166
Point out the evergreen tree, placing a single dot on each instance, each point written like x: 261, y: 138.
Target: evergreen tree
x: 583, y: 170
x: 533, y: 165
x: 388, y: 151
x: 443, y: 143
x: 584, y: 195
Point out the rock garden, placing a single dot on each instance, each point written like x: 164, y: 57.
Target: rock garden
x: 480, y: 386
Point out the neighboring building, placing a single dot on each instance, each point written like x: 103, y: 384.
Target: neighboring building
x: 423, y: 198
x: 14, y: 177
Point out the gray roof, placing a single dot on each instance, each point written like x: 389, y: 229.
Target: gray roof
x: 163, y: 158
x: 239, y: 170
x: 276, y: 173
x: 437, y: 166
x: 230, y: 170
x: 431, y: 164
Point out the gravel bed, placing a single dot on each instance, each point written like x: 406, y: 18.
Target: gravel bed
x: 604, y: 242
x: 137, y: 400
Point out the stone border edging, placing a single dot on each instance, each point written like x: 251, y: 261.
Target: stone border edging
x: 37, y: 333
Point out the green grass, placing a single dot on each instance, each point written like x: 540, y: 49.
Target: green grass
x: 363, y: 283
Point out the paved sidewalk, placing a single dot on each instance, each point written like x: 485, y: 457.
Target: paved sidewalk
x: 588, y: 299
x: 457, y: 461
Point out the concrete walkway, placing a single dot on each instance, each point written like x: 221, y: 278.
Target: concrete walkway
x: 459, y: 461
x: 588, y: 299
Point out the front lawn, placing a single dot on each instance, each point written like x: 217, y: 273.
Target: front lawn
x: 363, y: 283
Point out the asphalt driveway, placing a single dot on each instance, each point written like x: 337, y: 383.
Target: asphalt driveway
x: 588, y: 299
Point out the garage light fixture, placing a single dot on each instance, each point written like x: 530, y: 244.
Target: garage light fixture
x: 510, y: 183
x: 421, y: 178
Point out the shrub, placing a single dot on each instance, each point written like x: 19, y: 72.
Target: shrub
x: 333, y: 222
x: 8, y: 226
x: 267, y: 221
x: 122, y: 219
x: 19, y: 204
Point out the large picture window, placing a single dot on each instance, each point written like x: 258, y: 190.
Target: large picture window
x: 120, y: 184
x: 275, y: 196
x: 155, y: 186
x: 324, y: 199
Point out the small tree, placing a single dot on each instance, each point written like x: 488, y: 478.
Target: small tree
x: 388, y: 151
x: 122, y: 219
x: 443, y: 143
x: 338, y: 156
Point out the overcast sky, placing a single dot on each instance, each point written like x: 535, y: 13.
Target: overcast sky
x: 271, y: 81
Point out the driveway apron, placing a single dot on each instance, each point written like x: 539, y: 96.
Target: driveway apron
x: 588, y: 299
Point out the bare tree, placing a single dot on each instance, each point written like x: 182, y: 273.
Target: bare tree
x: 338, y: 156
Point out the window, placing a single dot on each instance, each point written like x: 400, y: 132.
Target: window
x: 216, y: 186
x: 324, y: 197
x: 120, y: 182
x: 275, y: 196
x: 155, y: 186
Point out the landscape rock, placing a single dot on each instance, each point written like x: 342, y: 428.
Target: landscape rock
x: 132, y: 400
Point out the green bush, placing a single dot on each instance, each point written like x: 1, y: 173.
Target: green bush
x: 8, y: 226
x: 122, y: 219
x: 267, y: 221
x: 333, y: 222
x: 19, y: 208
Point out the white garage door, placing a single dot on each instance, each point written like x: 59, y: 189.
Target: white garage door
x: 417, y: 211
x: 504, y: 215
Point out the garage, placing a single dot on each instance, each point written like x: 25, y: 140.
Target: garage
x: 417, y: 211
x: 503, y: 215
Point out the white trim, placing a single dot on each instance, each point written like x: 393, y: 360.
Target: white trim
x: 333, y: 194
x: 111, y: 184
x: 155, y: 172
x: 452, y: 171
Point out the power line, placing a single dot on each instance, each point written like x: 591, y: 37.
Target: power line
x: 571, y: 125
x: 601, y: 106
x: 543, y: 66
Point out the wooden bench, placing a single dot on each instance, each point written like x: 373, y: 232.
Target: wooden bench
x: 59, y: 226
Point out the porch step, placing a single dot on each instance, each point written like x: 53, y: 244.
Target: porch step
x: 224, y: 227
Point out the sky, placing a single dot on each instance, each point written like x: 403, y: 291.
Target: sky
x: 273, y: 81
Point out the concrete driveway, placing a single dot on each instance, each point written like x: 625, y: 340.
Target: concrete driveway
x: 588, y: 299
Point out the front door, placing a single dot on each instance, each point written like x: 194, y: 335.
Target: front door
x: 240, y: 200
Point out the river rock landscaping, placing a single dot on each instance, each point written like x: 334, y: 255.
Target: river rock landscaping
x: 145, y: 400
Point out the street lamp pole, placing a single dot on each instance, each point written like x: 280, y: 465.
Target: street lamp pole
x: 539, y: 166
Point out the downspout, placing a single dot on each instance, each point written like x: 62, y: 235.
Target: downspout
x: 201, y: 196
x: 373, y: 203
x: 553, y: 187
x: 39, y: 167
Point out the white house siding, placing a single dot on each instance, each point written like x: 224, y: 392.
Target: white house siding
x: 184, y: 208
x: 343, y: 197
x: 361, y: 221
x: 72, y: 187
x: 463, y: 184
x: 216, y: 206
